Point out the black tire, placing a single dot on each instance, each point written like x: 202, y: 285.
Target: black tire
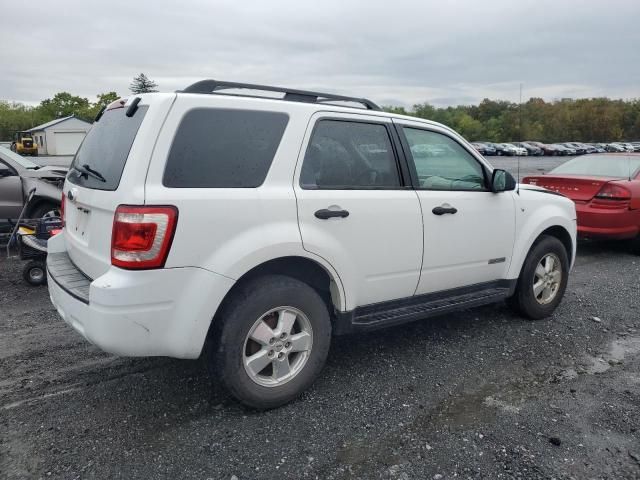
x: 523, y: 300
x: 226, y: 343
x: 35, y: 273
x: 45, y: 209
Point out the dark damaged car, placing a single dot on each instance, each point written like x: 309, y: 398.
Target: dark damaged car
x: 18, y: 177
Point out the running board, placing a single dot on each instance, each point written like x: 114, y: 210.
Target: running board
x: 394, y: 312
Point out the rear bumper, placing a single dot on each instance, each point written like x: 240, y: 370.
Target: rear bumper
x: 164, y: 312
x: 604, y: 223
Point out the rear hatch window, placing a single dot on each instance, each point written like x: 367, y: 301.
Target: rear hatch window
x: 102, y: 156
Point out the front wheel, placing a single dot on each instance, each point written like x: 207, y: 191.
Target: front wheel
x: 270, y: 341
x: 543, y: 279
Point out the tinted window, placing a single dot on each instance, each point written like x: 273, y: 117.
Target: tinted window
x: 217, y: 148
x: 105, y: 149
x: 442, y: 163
x: 348, y: 155
x: 600, y: 166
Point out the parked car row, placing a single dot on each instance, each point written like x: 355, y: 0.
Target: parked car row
x: 531, y: 148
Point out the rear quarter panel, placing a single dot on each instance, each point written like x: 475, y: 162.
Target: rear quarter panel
x: 229, y: 231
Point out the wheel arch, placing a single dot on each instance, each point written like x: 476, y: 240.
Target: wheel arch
x: 555, y: 230
x: 561, y: 234
x: 321, y: 278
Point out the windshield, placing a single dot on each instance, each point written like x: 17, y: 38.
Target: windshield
x: 19, y: 159
x: 600, y: 166
x: 102, y: 156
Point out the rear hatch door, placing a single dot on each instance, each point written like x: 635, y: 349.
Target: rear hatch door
x: 108, y: 170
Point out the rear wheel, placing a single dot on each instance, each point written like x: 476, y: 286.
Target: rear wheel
x: 270, y: 341
x: 543, y: 279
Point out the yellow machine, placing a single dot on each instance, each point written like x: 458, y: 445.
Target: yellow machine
x: 24, y: 144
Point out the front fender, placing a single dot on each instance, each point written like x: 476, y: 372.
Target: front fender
x: 533, y: 218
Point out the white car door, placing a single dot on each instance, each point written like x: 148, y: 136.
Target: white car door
x: 469, y: 231
x: 356, y: 209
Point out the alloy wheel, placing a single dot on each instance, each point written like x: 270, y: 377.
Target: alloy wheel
x: 277, y: 346
x: 547, y: 278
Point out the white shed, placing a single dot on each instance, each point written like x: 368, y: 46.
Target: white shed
x: 60, y: 137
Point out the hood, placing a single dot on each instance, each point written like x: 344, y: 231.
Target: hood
x: 49, y: 172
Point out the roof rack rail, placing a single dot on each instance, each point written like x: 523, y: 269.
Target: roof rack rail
x: 213, y: 86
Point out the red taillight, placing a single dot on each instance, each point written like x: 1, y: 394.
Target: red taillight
x: 62, y: 200
x: 611, y: 191
x: 142, y: 236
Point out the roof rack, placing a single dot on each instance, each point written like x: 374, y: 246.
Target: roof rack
x: 213, y: 86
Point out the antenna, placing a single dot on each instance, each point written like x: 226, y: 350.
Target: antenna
x: 520, y: 135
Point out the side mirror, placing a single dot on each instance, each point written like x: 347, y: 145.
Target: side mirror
x: 502, y: 181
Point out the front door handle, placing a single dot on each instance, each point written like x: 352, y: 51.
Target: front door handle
x: 325, y: 214
x: 442, y: 209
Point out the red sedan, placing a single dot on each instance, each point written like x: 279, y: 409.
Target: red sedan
x: 606, y: 191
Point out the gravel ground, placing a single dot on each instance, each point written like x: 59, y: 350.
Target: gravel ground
x: 478, y: 394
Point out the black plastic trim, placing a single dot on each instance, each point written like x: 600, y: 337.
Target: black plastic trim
x: 417, y: 307
x: 548, y: 192
x: 131, y: 110
x: 211, y: 86
x: 68, y: 277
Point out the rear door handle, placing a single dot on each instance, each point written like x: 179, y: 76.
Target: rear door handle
x: 446, y: 208
x: 325, y: 214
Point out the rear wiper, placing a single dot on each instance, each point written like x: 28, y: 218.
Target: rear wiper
x: 86, y: 170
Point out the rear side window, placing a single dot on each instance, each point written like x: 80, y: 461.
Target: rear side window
x: 219, y: 148
x: 105, y: 149
x: 349, y: 155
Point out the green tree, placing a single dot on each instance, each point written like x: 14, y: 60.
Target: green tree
x: 142, y: 84
x: 64, y: 104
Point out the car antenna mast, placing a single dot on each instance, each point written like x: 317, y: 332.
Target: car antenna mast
x: 519, y: 135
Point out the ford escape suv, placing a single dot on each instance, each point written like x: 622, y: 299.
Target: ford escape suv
x: 250, y: 223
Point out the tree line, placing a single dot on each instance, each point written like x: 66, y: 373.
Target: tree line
x: 580, y: 120
x: 15, y: 117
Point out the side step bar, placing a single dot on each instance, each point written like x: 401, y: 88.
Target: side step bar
x: 394, y: 312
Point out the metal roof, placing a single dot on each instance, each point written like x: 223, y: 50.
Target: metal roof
x: 44, y: 126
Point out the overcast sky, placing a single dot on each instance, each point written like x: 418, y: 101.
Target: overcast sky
x: 395, y: 51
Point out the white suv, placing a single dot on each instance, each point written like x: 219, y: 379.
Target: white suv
x: 253, y: 228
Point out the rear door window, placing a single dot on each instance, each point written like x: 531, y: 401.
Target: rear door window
x: 346, y: 155
x: 105, y: 149
x: 224, y: 148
